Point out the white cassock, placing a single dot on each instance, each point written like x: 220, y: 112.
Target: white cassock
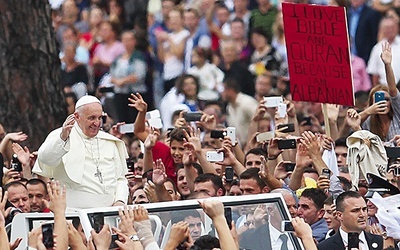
x: 92, y: 169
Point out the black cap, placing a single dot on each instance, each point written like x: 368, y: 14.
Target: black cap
x: 380, y: 185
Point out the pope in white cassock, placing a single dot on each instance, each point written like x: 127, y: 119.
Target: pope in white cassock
x: 89, y: 162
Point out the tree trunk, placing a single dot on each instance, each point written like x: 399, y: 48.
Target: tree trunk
x: 31, y: 98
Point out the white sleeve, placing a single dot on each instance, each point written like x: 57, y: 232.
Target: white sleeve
x: 53, y: 149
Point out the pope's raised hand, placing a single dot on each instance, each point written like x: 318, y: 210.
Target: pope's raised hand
x: 67, y: 126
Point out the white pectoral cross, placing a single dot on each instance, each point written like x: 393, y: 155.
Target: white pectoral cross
x: 99, y: 175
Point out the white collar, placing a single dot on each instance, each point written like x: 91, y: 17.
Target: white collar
x: 274, y: 233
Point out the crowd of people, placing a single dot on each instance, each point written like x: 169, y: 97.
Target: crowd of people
x: 210, y: 67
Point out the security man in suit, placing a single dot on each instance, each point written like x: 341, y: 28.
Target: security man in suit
x: 352, y: 214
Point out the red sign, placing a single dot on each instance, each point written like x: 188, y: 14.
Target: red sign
x: 318, y: 53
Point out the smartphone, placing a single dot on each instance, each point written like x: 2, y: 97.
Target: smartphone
x: 273, y: 101
x: 155, y: 122
x: 287, y: 226
x: 229, y: 174
x: 97, y: 221
x: 47, y: 232
x: 287, y: 144
x: 130, y: 165
x: 326, y: 172
x: 265, y: 136
x: 103, y: 119
x: 127, y: 128
x: 392, y: 152
x: 353, y: 240
x: 15, y: 163
x: 289, y: 167
x: 214, y: 156
x: 153, y: 114
x: 379, y: 96
x: 231, y: 133
x: 192, y: 116
x: 216, y: 134
x: 396, y: 171
x: 282, y: 110
x: 228, y: 216
x: 290, y: 127
x: 149, y: 176
x: 113, y: 245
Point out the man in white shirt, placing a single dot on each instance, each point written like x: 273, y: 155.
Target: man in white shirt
x: 352, y: 214
x: 389, y: 29
x: 89, y: 162
x: 240, y: 109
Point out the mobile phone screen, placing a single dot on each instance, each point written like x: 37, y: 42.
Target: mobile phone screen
x: 47, y: 232
x: 228, y: 216
x: 229, y: 174
x: 98, y: 221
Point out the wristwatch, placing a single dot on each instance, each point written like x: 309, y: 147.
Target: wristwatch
x: 134, y: 237
x: 384, y: 235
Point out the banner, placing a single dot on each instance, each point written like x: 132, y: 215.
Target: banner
x: 318, y: 53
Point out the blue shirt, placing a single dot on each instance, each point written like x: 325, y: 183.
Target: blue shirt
x: 319, y: 230
x: 355, y: 14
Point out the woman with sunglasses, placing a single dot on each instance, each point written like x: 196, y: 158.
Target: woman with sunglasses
x: 382, y: 117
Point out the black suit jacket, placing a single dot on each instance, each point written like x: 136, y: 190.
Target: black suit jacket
x: 375, y: 242
x: 367, y: 31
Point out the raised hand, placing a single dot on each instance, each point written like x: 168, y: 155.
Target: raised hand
x: 193, y: 138
x: 140, y: 213
x: 127, y: 218
x: 180, y: 122
x: 229, y: 157
x: 3, y: 200
x: 386, y: 54
x: 291, y: 110
x: 333, y: 111
x: 151, y: 140
x: 323, y: 182
x: 57, y: 196
x: 208, y: 122
x: 260, y: 215
x: 179, y: 232
x: 213, y: 208
x: 11, y: 175
x: 280, y: 170
x: 23, y: 154
x: 150, y: 191
x: 102, y: 240
x: 260, y: 112
x: 115, y: 130
x: 312, y: 143
x: 302, y: 158
x: 137, y: 102
x: 377, y: 108
x: 301, y: 228
x: 188, y: 157
x: 326, y: 142
x: 353, y: 119
x: 16, y: 136
x: 263, y: 173
x: 67, y: 126
x: 273, y: 150
x: 159, y: 175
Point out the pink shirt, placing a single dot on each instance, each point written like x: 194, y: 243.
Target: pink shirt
x: 361, y: 80
x: 107, y: 54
